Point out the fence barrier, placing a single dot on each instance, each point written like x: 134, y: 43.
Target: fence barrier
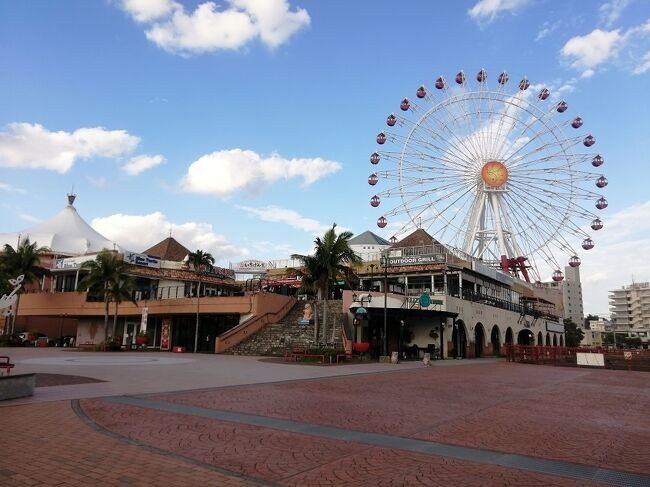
x: 614, y: 358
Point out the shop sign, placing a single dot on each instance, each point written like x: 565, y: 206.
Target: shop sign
x: 142, y: 260
x: 143, y: 322
x: 72, y: 262
x: 251, y: 265
x: 221, y: 272
x: 555, y: 327
x: 418, y: 259
x: 165, y: 334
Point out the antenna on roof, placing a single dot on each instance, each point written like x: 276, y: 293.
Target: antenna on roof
x: 71, y: 196
x: 170, y: 232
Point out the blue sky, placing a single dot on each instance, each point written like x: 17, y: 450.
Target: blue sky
x: 245, y: 126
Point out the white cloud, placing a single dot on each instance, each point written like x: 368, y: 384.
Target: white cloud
x: 11, y: 189
x: 616, y: 257
x: 209, y: 28
x: 270, y: 248
x: 275, y: 214
x: 148, y: 10
x: 25, y: 145
x: 547, y: 28
x: 485, y: 11
x: 224, y: 172
x: 601, y: 47
x: 141, y: 163
x: 644, y: 66
x: 589, y: 51
x: 610, y: 12
x: 97, y: 182
x: 139, y: 232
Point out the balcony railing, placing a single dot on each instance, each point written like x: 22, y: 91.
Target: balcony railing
x: 166, y: 292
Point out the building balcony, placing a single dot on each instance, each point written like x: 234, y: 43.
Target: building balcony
x: 77, y: 304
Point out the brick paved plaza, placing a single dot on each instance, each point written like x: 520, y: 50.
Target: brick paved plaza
x: 472, y: 423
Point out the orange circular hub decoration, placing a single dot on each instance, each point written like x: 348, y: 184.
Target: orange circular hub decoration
x: 494, y: 174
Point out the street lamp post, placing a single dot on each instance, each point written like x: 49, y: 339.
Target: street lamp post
x: 399, y: 344
x: 384, y: 262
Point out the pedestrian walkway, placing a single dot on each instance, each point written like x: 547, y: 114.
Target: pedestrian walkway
x: 477, y: 423
x: 520, y: 462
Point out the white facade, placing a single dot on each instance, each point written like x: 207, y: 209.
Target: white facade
x: 571, y: 289
x: 592, y: 338
x: 572, y: 295
x: 630, y: 306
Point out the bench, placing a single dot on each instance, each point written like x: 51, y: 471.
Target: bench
x: 6, y: 364
x: 341, y: 356
x: 86, y: 345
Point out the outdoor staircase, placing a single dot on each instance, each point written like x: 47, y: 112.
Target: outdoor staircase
x: 277, y: 338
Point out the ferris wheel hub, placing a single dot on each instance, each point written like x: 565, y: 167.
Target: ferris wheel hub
x: 494, y: 174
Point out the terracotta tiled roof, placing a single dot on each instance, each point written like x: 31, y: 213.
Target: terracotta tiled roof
x: 177, y: 275
x: 168, y: 249
x: 417, y: 239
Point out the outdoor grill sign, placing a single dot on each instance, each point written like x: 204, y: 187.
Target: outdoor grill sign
x: 417, y: 259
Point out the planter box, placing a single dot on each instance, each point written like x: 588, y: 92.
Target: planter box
x: 17, y: 385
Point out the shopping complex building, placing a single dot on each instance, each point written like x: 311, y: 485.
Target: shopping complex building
x: 413, y: 295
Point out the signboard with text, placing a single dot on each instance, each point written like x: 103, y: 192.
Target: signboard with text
x: 418, y: 260
x: 251, y: 266
x: 72, y: 262
x: 142, y: 260
x: 165, y: 334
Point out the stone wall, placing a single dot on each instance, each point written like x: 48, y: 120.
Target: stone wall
x: 277, y: 338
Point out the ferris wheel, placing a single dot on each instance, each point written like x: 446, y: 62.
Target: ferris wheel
x: 501, y: 173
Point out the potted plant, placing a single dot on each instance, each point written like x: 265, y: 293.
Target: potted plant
x: 141, y: 339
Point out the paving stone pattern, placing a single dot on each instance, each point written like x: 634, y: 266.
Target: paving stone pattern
x: 594, y: 417
x: 299, y: 460
x: 48, y: 444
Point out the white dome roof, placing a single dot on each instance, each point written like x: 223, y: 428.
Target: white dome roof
x: 66, y: 233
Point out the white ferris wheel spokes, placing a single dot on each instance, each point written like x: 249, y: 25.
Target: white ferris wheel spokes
x: 500, y: 175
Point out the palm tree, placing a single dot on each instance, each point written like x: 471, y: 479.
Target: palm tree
x: 331, y: 260
x: 202, y: 263
x: 120, y: 291
x: 23, y: 260
x: 107, y: 269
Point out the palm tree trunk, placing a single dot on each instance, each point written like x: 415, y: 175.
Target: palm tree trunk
x: 15, y: 314
x: 325, y: 316
x: 106, y: 311
x: 114, y: 322
x: 314, y: 306
x: 196, y: 329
